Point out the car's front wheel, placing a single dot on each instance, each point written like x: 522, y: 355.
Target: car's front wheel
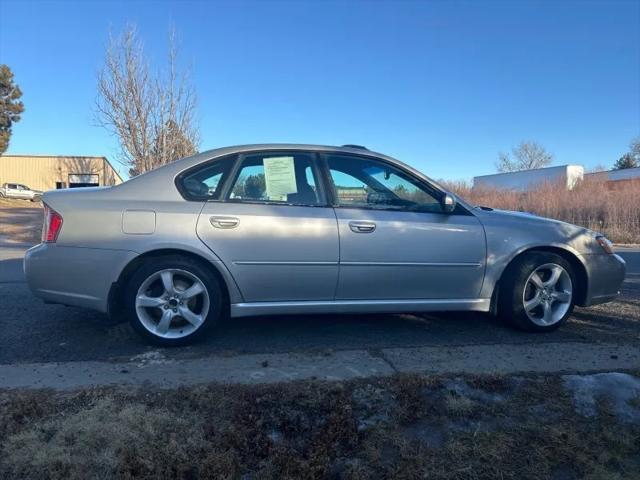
x: 173, y: 300
x: 537, y: 292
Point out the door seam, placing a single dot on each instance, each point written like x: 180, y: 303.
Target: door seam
x: 335, y: 291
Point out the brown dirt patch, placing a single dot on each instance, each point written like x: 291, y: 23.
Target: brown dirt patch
x: 20, y: 222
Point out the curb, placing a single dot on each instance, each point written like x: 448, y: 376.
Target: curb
x: 156, y: 370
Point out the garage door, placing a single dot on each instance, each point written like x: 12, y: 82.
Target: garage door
x: 83, y: 180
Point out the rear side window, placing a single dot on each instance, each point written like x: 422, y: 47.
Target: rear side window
x: 205, y: 183
x: 287, y: 178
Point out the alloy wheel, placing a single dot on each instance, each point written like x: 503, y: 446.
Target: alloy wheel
x: 172, y: 303
x: 547, y: 295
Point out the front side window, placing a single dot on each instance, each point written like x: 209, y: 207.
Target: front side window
x: 363, y: 182
x: 205, y: 183
x: 287, y: 178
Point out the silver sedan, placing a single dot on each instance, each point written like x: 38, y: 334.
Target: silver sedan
x: 293, y: 229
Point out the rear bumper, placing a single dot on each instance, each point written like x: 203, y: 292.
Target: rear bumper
x: 73, y: 275
x: 605, y: 276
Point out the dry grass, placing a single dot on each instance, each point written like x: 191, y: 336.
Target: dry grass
x: 402, y: 427
x: 613, y: 209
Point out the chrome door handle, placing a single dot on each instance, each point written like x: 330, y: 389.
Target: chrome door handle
x: 362, y: 227
x: 224, y: 222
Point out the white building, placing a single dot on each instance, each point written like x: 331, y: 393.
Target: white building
x: 567, y: 175
x: 615, y: 175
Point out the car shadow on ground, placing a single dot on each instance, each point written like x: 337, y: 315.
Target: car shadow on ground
x: 36, y: 332
x: 11, y: 270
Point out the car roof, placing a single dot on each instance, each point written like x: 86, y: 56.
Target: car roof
x: 350, y: 148
x: 178, y: 166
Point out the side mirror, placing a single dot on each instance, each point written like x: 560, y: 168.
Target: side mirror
x: 448, y: 203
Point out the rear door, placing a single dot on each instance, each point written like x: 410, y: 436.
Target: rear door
x: 395, y: 240
x: 274, y: 230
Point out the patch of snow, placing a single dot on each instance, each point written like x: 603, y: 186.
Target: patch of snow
x: 152, y: 357
x: 459, y: 387
x: 618, y: 388
x: 372, y: 406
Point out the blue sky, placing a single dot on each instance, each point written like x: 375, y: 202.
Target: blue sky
x: 441, y: 85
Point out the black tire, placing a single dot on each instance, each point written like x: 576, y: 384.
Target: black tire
x: 1, y: 194
x: 153, y: 265
x: 37, y: 198
x: 512, y: 290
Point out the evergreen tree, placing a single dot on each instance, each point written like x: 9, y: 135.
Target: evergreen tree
x: 631, y: 159
x: 625, y: 161
x: 10, y: 106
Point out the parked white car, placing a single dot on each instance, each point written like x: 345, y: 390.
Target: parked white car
x: 16, y: 190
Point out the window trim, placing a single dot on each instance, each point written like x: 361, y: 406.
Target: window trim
x: 235, y: 173
x: 178, y: 181
x: 459, y: 210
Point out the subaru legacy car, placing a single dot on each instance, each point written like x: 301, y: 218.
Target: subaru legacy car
x: 305, y: 229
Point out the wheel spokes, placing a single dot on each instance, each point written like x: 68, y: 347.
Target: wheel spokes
x: 172, y: 303
x: 167, y: 281
x: 165, y: 322
x: 149, y: 302
x: 546, y: 312
x: 548, y: 294
x: 556, y: 271
x: 196, y: 289
x: 533, y: 303
x: 193, y: 318
x: 563, y: 296
x: 536, y: 280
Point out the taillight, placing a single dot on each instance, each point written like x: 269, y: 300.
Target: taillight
x: 52, y: 225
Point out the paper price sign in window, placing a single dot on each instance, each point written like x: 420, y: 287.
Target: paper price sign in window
x: 279, y: 177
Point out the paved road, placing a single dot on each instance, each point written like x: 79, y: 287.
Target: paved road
x: 35, y: 332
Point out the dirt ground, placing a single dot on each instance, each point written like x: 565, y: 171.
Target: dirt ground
x: 407, y: 427
x: 20, y: 222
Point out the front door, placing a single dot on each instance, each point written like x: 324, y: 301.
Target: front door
x: 273, y: 229
x: 395, y: 240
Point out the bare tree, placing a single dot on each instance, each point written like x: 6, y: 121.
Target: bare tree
x: 527, y: 155
x: 153, y: 115
x: 634, y: 148
x: 597, y: 169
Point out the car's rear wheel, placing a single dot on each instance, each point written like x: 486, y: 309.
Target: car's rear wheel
x: 537, y: 292
x: 173, y: 300
x: 37, y: 198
